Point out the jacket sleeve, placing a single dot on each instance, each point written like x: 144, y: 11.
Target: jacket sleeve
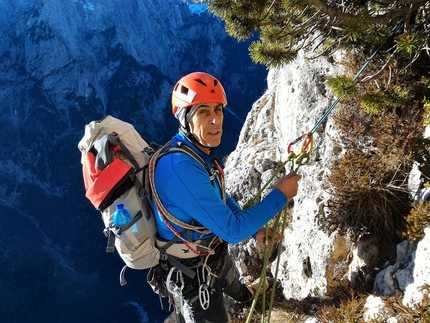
x: 232, y: 205
x: 186, y: 190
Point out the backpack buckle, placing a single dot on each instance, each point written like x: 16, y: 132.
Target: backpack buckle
x: 110, y: 247
x: 143, y: 193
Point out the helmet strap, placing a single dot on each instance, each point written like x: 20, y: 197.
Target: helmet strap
x: 192, y: 139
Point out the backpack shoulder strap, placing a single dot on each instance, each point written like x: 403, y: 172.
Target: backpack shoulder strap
x: 214, y: 173
x: 180, y: 147
x: 165, y: 213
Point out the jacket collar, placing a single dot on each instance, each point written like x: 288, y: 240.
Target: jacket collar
x: 180, y: 137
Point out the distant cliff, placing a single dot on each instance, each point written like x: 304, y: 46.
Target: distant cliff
x: 63, y: 64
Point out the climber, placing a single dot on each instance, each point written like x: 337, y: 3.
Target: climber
x: 195, y: 194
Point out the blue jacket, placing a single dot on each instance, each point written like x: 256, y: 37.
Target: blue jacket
x: 185, y: 189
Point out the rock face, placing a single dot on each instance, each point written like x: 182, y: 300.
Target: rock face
x: 314, y: 263
x: 420, y: 272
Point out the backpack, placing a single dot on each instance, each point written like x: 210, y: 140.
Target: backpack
x: 115, y: 166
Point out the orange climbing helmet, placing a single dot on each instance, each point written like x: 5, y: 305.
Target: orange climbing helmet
x: 195, y: 89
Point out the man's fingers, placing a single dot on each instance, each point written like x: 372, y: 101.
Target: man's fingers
x: 290, y: 174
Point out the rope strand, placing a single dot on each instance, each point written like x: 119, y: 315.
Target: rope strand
x: 168, y: 217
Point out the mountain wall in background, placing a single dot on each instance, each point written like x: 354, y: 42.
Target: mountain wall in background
x: 63, y: 64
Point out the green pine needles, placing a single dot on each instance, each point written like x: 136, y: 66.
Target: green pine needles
x: 295, y: 24
x: 417, y: 220
x: 411, y: 43
x: 342, y: 86
x: 273, y: 55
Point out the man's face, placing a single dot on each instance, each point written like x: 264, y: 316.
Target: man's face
x: 206, y: 125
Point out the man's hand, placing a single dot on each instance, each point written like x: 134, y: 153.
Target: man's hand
x: 260, y: 236
x: 289, y: 185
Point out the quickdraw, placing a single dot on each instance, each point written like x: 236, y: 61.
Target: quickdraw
x: 307, y: 144
x: 304, y: 156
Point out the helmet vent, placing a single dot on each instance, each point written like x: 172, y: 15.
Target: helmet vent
x: 184, y: 90
x: 201, y: 82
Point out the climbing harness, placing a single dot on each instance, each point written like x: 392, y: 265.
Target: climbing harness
x: 206, y: 284
x: 203, y: 248
x: 297, y: 160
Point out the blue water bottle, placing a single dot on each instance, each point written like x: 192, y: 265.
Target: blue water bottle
x: 121, y: 215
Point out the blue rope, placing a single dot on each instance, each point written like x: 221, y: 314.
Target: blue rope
x: 325, y: 115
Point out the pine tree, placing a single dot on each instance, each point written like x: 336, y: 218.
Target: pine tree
x: 285, y: 26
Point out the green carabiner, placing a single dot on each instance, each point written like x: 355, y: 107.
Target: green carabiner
x: 303, y: 159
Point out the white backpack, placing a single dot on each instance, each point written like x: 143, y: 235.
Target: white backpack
x: 115, y: 165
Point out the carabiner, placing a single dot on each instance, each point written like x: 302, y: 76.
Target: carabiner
x: 204, y: 296
x: 303, y: 157
x: 175, y: 290
x: 306, y: 146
